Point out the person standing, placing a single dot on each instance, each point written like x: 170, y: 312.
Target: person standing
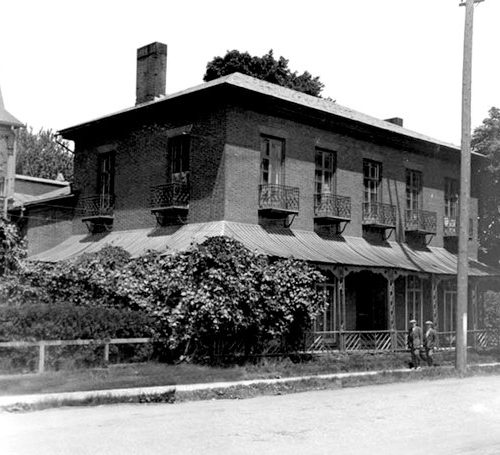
x: 430, y: 339
x: 415, y: 343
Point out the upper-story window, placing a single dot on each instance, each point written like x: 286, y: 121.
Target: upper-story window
x: 178, y: 158
x: 451, y: 191
x: 324, y: 179
x: 272, y: 152
x: 372, y: 178
x: 106, y: 173
x: 413, y: 190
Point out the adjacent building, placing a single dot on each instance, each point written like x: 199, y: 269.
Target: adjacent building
x: 373, y: 204
x: 8, y: 126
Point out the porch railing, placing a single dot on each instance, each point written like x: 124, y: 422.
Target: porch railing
x: 391, y: 340
x: 421, y: 221
x: 379, y: 214
x: 279, y: 198
x: 332, y: 206
x: 169, y: 195
x: 96, y: 205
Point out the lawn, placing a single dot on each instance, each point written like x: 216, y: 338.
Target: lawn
x: 157, y: 374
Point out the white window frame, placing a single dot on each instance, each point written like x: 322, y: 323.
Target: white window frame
x: 272, y: 160
x: 372, y: 179
x: 414, y: 299
x: 414, y: 185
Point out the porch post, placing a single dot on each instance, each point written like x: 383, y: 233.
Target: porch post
x: 391, y: 296
x: 341, y: 288
x: 434, y: 297
x: 474, y: 312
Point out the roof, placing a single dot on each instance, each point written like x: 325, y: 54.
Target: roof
x: 252, y: 84
x: 5, y: 117
x: 305, y: 245
x: 21, y: 199
x: 29, y: 178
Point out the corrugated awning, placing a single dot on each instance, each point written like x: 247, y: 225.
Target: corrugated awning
x: 305, y: 245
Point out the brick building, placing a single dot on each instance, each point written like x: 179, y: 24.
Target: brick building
x: 373, y: 204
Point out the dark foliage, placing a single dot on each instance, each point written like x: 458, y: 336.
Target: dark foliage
x: 266, y: 68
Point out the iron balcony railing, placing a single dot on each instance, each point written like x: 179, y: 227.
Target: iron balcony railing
x: 279, y: 198
x: 421, y: 221
x: 379, y: 214
x: 451, y: 227
x: 100, y: 205
x: 332, y: 206
x: 168, y: 196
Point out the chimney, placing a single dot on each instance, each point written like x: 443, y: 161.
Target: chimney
x: 151, y: 72
x: 396, y: 120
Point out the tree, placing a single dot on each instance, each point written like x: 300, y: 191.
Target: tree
x: 43, y: 155
x: 266, y: 68
x: 486, y: 140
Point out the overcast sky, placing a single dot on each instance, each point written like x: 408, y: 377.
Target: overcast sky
x: 65, y: 62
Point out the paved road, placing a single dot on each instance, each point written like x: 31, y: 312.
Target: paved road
x: 440, y: 417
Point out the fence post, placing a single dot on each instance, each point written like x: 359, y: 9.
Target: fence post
x: 41, y: 357
x: 106, y: 353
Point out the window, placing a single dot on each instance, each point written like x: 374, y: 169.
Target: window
x: 372, y: 177
x: 178, y: 158
x: 106, y: 173
x: 272, y: 160
x: 413, y: 190
x: 414, y: 299
x: 451, y: 190
x: 324, y: 179
x: 327, y: 321
x: 450, y: 306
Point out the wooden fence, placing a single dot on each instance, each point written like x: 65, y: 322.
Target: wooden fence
x: 315, y: 342
x: 43, y: 344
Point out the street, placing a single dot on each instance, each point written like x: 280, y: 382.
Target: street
x: 449, y: 416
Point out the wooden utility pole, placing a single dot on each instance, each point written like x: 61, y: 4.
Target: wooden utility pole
x: 463, y: 236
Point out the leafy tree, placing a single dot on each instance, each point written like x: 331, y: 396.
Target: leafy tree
x: 43, y: 155
x: 266, y: 68
x: 486, y: 140
x: 12, y: 248
x: 209, y: 302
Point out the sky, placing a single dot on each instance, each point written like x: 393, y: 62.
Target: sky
x: 66, y: 62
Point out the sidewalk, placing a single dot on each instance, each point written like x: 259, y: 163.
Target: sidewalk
x: 186, y: 392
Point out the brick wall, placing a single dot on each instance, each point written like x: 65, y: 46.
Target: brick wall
x: 242, y: 155
x: 141, y: 162
x: 46, y: 227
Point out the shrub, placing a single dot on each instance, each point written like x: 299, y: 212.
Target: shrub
x: 214, y: 301
x: 69, y: 322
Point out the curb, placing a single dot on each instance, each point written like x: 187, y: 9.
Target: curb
x: 194, y: 392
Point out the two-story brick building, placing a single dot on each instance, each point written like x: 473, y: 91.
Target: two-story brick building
x: 373, y: 204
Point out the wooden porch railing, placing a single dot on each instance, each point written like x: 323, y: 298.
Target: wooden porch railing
x: 387, y: 340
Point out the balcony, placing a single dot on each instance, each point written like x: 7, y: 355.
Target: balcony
x: 421, y: 222
x: 379, y: 215
x: 331, y: 207
x: 168, y: 201
x: 97, y: 211
x: 97, y: 206
x: 451, y: 227
x: 278, y: 199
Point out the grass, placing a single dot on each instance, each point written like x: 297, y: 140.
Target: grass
x: 158, y: 374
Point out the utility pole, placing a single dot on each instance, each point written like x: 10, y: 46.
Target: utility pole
x: 463, y: 235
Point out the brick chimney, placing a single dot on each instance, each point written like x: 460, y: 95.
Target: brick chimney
x: 151, y: 72
x: 396, y: 120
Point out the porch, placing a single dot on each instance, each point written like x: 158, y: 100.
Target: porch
x: 370, y: 310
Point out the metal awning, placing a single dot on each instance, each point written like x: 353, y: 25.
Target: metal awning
x: 305, y: 245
